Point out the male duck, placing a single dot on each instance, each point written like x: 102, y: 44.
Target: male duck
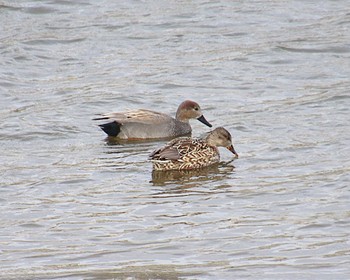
x: 146, y: 124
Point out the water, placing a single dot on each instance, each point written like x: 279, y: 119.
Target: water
x: 274, y: 73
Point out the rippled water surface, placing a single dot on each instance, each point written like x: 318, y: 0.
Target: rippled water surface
x: 274, y: 73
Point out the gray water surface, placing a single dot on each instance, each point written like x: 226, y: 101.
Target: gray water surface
x: 274, y: 73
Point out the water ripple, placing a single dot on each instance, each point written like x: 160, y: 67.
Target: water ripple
x: 75, y: 205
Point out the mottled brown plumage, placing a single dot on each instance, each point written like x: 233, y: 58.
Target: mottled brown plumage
x: 186, y: 153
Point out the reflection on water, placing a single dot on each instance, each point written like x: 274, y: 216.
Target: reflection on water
x: 115, y: 141
x: 189, y: 178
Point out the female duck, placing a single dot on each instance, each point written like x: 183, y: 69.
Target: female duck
x: 186, y: 153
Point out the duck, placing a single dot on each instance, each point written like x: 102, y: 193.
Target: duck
x: 186, y: 153
x: 148, y: 124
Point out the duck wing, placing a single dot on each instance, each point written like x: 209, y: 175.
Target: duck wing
x: 174, y: 150
x: 137, y: 116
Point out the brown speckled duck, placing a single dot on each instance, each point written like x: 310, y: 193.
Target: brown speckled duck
x: 187, y: 153
x: 147, y: 124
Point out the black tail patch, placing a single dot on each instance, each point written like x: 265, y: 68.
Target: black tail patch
x: 111, y: 129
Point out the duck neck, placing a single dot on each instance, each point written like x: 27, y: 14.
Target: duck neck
x: 181, y: 117
x: 209, y: 139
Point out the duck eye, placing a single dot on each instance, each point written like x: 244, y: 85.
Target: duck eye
x: 196, y: 108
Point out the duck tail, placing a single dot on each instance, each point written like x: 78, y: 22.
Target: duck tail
x: 100, y: 118
x: 111, y: 129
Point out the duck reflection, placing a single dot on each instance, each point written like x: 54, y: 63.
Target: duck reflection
x: 118, y: 141
x: 194, y: 177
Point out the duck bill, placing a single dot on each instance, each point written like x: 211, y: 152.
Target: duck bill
x: 203, y: 120
x: 232, y: 150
